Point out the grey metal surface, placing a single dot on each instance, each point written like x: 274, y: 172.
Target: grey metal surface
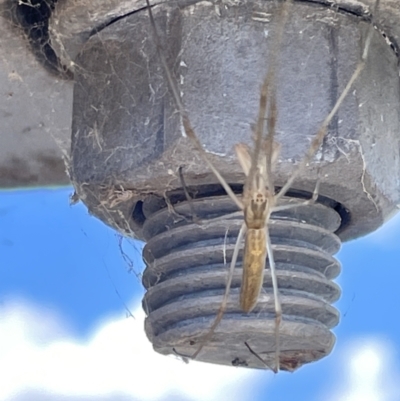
x: 127, y: 139
x: 185, y: 279
x: 35, y: 113
x: 74, y: 20
x: 128, y: 146
x: 28, y: 157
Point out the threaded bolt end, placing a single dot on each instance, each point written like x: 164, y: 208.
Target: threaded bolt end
x: 186, y: 274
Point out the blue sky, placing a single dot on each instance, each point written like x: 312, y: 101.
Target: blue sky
x: 64, y: 334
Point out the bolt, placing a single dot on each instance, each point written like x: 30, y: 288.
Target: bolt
x: 127, y: 148
x: 185, y: 279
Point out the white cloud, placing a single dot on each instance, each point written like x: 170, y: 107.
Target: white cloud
x: 368, y: 372
x: 38, y: 354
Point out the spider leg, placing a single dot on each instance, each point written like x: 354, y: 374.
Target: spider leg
x: 310, y: 201
x: 319, y: 137
x: 222, y: 308
x: 277, y: 302
x: 189, y: 131
x: 268, y: 90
